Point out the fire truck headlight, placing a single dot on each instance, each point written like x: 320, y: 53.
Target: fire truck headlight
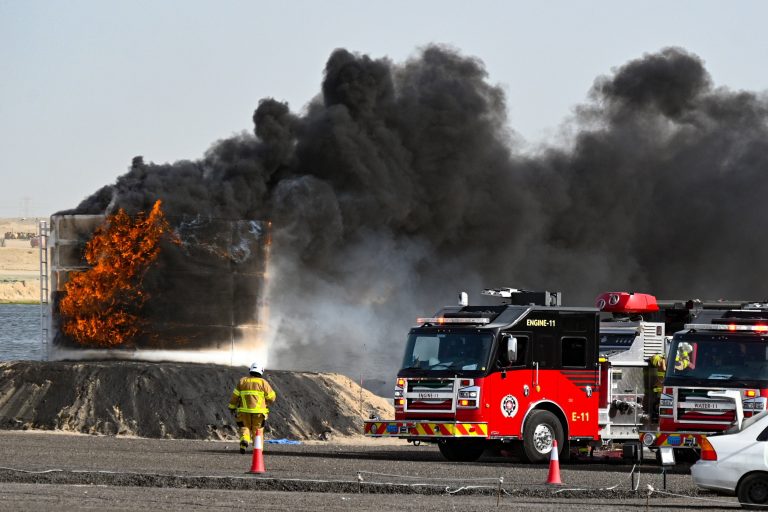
x: 467, y: 394
x: 665, y: 403
x: 398, y: 393
x: 648, y: 439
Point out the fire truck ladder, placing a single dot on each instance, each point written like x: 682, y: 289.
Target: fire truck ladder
x: 42, y: 231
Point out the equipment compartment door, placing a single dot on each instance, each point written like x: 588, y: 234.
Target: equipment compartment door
x: 578, y: 392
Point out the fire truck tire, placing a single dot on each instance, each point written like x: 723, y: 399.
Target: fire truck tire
x: 541, y: 428
x: 461, y: 451
x: 753, y: 491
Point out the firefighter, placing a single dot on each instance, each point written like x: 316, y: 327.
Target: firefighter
x: 250, y: 403
x: 683, y: 357
x: 658, y: 361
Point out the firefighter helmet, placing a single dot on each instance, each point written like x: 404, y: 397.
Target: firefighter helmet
x: 257, y: 368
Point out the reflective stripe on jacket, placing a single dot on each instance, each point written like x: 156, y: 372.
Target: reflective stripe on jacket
x: 252, y: 395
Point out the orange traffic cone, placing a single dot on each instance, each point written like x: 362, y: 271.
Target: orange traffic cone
x: 554, y: 466
x: 257, y: 463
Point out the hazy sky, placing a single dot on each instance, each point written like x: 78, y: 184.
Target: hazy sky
x: 87, y: 85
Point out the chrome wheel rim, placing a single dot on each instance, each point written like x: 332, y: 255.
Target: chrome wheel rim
x: 542, y: 438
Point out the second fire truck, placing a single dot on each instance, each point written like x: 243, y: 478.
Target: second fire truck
x: 524, y: 371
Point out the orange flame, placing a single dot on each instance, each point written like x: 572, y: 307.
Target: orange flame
x: 101, y: 305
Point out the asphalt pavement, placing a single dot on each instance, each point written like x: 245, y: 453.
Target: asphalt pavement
x: 46, y: 471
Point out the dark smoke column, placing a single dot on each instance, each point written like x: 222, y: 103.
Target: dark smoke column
x: 401, y: 184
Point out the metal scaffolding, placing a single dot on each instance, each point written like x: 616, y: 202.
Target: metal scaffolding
x: 42, y: 231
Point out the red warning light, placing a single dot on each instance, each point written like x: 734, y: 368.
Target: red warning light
x: 624, y: 302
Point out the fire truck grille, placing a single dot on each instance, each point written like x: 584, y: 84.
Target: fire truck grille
x: 429, y: 395
x: 695, y: 406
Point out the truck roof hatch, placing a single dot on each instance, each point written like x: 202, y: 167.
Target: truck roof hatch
x: 525, y: 297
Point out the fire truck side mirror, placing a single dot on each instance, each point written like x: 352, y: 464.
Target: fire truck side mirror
x: 511, y: 348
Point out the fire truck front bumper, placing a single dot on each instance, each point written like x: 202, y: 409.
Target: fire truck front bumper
x: 424, y: 429
x: 671, y: 439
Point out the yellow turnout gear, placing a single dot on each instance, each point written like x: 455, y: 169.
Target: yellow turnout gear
x: 249, y: 424
x: 682, y: 361
x: 252, y: 395
x: 660, y: 363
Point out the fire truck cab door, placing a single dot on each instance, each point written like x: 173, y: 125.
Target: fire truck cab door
x: 509, y: 386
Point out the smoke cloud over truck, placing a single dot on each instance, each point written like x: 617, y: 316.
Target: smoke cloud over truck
x: 401, y: 183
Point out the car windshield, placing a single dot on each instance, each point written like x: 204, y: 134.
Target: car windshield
x: 448, y: 350
x: 720, y: 360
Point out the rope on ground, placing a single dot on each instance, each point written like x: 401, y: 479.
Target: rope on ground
x: 470, y: 487
x: 632, y: 485
x: 33, y: 472
x: 499, y: 479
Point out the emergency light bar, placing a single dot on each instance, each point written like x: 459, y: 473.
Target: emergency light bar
x: 727, y: 327
x: 443, y: 320
x: 628, y: 303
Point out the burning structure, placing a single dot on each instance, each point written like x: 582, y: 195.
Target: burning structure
x: 150, y: 287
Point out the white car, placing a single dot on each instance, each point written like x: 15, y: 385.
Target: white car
x: 736, y: 462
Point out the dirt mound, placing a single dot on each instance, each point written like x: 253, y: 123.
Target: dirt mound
x: 174, y: 400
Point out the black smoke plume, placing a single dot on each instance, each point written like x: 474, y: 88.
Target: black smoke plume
x: 402, y: 184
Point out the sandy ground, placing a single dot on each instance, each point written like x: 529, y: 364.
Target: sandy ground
x: 19, y: 263
x: 43, y: 472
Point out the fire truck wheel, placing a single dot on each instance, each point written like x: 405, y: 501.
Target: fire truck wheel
x: 541, y: 429
x: 753, y: 490
x: 461, y: 451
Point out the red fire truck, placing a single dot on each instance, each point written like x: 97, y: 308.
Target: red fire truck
x: 524, y: 371
x: 717, y: 373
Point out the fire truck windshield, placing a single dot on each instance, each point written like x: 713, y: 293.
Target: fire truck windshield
x: 713, y: 359
x: 451, y: 350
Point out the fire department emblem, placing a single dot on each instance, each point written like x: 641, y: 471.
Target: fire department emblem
x: 509, y: 406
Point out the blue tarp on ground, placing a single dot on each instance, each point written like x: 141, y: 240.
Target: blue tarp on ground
x: 282, y: 441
